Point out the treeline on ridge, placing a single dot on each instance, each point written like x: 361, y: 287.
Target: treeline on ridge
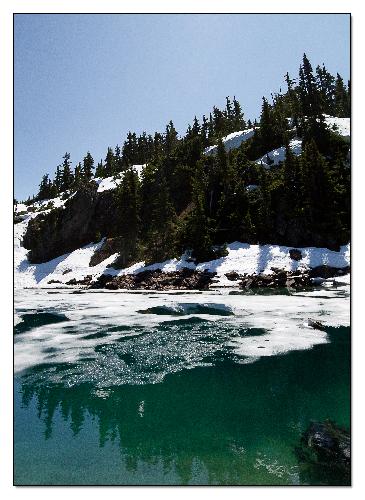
x: 188, y: 200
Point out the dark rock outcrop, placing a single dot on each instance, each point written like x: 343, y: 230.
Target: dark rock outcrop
x: 295, y: 254
x: 85, y: 281
x: 126, y: 250
x: 328, y: 271
x: 233, y: 276
x: 108, y: 248
x: 278, y: 279
x: 290, y: 279
x: 83, y: 217
x: 325, y: 453
x: 317, y: 325
x: 186, y: 279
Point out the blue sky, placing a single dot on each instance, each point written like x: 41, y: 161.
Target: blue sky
x: 83, y: 81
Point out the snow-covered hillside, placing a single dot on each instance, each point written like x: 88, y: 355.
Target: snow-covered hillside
x: 233, y: 141
x: 242, y: 258
x: 107, y: 183
x: 276, y: 156
x: 339, y: 125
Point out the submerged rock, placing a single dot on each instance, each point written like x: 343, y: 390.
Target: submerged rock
x: 324, y: 454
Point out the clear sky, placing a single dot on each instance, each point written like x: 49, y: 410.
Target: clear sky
x: 83, y: 81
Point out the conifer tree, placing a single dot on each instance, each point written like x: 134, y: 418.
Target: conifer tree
x: 128, y: 201
x: 237, y: 116
x: 78, y: 176
x: 109, y: 166
x: 341, y: 98
x: 45, y: 188
x: 67, y: 175
x: 99, y: 171
x: 162, y: 225
x: 58, y: 178
x: 170, y: 138
x: 88, y: 166
x: 198, y: 227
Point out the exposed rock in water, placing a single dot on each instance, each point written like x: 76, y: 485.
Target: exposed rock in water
x: 278, y: 279
x: 290, y: 279
x: 295, y: 254
x: 186, y: 279
x: 324, y: 454
x: 317, y: 325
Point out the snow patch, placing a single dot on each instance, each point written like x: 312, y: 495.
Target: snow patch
x: 112, y: 182
x: 232, y: 141
x: 277, y: 156
x: 339, y: 125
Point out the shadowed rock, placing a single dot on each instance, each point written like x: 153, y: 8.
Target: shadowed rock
x: 186, y: 279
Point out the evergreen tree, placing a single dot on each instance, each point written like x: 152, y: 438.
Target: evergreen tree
x: 128, y: 201
x: 45, y: 188
x: 99, y: 171
x: 341, y: 98
x: 109, y: 167
x: 78, y: 176
x: 198, y: 235
x: 170, y: 138
x: 58, y: 178
x: 238, y: 121
x: 88, y: 167
x: 310, y: 98
x: 162, y: 226
x: 67, y: 178
x: 317, y: 189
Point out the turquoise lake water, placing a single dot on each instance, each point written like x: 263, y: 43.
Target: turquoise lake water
x: 164, y: 396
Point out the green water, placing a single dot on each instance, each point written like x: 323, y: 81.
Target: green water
x: 227, y: 423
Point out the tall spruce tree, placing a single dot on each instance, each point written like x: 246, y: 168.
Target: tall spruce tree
x: 67, y: 175
x: 128, y: 202
x: 88, y: 166
x: 198, y: 233
x: 109, y: 166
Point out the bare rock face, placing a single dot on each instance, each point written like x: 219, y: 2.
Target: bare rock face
x: 63, y: 230
x: 108, y: 248
x: 295, y: 254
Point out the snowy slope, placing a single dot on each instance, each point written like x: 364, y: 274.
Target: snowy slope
x: 278, y: 155
x: 242, y: 258
x: 107, y: 183
x: 251, y: 259
x: 339, y: 125
x: 232, y: 141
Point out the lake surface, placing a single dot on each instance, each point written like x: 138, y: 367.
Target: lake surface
x: 175, y: 388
